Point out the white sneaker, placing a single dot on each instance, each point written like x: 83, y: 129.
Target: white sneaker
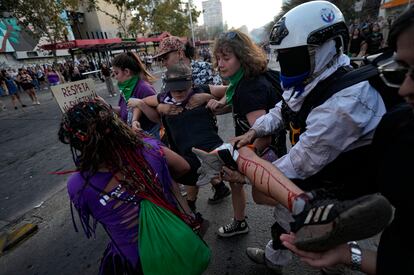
x: 210, y: 168
x: 212, y: 162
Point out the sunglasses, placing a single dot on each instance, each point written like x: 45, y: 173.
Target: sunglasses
x: 228, y: 35
x: 394, y: 73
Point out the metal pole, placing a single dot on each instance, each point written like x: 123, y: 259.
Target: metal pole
x: 191, y: 23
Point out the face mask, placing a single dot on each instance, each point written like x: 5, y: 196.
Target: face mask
x: 294, y: 61
x: 294, y: 66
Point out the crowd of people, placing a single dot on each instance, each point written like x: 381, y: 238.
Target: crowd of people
x: 33, y: 79
x: 343, y: 179
x: 367, y: 38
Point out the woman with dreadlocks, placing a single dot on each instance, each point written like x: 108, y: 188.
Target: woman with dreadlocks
x: 123, y: 182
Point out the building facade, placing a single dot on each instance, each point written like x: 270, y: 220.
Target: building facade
x: 212, y: 14
x: 18, y: 47
x: 95, y: 24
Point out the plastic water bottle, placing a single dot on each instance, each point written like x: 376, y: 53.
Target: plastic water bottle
x: 129, y: 118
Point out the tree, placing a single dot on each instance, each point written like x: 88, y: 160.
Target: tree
x: 42, y: 17
x: 155, y: 15
x: 172, y: 16
x: 141, y: 20
x: 123, y: 11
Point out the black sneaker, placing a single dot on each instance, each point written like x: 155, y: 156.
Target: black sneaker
x: 220, y: 192
x: 326, y: 223
x: 233, y: 228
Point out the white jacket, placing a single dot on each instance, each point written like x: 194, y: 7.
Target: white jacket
x: 345, y: 121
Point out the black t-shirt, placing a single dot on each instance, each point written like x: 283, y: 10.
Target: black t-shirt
x: 394, y: 147
x: 374, y: 41
x: 252, y: 94
x: 355, y: 46
x: 191, y: 128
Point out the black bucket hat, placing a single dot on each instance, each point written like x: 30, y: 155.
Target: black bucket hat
x: 178, y: 77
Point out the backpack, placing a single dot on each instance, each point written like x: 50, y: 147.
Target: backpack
x: 344, y: 77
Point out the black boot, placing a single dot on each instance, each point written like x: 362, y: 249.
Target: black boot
x: 220, y: 192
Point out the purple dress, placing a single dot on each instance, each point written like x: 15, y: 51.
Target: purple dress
x: 120, y: 216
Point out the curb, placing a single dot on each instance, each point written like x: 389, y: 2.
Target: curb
x: 9, y: 240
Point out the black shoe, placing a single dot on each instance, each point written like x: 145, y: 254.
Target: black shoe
x: 233, y: 228
x: 326, y: 223
x: 192, y: 205
x: 16, y: 107
x: 23, y: 105
x: 220, y: 192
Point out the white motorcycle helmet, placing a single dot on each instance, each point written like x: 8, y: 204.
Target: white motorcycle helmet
x: 310, y: 24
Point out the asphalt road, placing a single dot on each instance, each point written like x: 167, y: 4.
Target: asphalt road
x: 30, y: 150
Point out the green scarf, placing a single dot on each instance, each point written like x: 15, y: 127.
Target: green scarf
x: 234, y: 80
x: 127, y: 87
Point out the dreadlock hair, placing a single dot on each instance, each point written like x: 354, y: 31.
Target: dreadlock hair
x: 98, y: 138
x: 251, y: 57
x: 131, y: 61
x: 401, y: 24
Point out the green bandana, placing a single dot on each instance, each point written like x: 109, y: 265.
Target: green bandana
x: 127, y: 87
x: 234, y: 80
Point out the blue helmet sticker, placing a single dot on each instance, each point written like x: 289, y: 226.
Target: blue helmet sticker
x: 327, y: 15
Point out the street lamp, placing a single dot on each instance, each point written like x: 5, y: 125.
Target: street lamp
x: 191, y: 22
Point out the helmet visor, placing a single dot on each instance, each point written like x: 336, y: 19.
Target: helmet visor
x: 278, y: 33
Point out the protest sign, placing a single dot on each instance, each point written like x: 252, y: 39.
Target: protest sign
x: 71, y: 93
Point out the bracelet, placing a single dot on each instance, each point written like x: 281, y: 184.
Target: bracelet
x: 356, y: 256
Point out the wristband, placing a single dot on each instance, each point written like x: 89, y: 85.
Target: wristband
x: 356, y: 256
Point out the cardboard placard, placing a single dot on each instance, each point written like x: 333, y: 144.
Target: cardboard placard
x: 69, y: 94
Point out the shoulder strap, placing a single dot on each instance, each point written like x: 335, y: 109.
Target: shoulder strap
x: 273, y: 77
x: 344, y: 77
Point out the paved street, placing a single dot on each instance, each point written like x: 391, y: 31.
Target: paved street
x: 30, y: 150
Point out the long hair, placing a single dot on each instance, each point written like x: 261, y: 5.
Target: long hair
x: 99, y: 139
x: 401, y: 24
x: 251, y: 57
x: 131, y: 61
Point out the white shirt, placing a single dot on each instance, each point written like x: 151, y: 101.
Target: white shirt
x: 345, y: 121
